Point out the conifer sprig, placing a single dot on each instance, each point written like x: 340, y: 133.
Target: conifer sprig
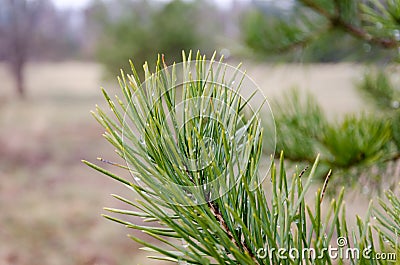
x: 195, y: 166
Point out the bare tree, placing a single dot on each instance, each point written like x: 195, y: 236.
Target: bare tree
x: 18, y: 20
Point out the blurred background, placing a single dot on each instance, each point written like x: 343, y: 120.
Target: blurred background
x: 56, y: 54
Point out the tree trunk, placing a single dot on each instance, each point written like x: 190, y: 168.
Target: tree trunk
x: 18, y: 73
x: 18, y: 42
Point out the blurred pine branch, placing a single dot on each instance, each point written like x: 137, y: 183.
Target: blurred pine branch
x: 351, y: 147
x: 328, y: 26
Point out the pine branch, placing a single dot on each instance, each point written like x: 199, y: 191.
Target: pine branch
x: 223, y: 224
x: 356, y: 142
x: 157, y: 158
x: 337, y: 22
x: 370, y: 22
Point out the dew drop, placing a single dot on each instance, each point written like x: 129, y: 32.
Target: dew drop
x: 367, y: 47
x: 184, y: 244
x: 130, y: 187
x: 238, y: 227
x: 220, y: 249
x: 141, y: 140
x: 396, y: 34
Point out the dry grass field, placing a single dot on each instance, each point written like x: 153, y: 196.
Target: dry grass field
x: 50, y: 203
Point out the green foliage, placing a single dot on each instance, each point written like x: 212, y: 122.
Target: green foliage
x: 382, y: 18
x: 239, y: 225
x: 129, y: 35
x: 328, y: 30
x: 388, y: 217
x: 357, y: 141
x: 396, y: 129
x: 175, y: 28
x: 303, y: 131
x: 383, y: 93
x: 141, y: 30
x: 336, y: 46
x: 300, y: 123
x: 261, y: 32
x: 379, y: 88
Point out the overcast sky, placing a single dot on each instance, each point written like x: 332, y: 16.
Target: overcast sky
x: 84, y: 3
x: 71, y: 3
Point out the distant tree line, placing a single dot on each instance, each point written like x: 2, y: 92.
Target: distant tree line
x: 140, y: 30
x: 34, y: 30
x: 112, y: 32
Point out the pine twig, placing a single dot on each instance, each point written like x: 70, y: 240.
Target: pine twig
x: 224, y: 226
x: 328, y: 176
x: 358, y: 32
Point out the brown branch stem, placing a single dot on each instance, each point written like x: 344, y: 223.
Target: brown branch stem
x: 225, y: 227
x: 359, y: 32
